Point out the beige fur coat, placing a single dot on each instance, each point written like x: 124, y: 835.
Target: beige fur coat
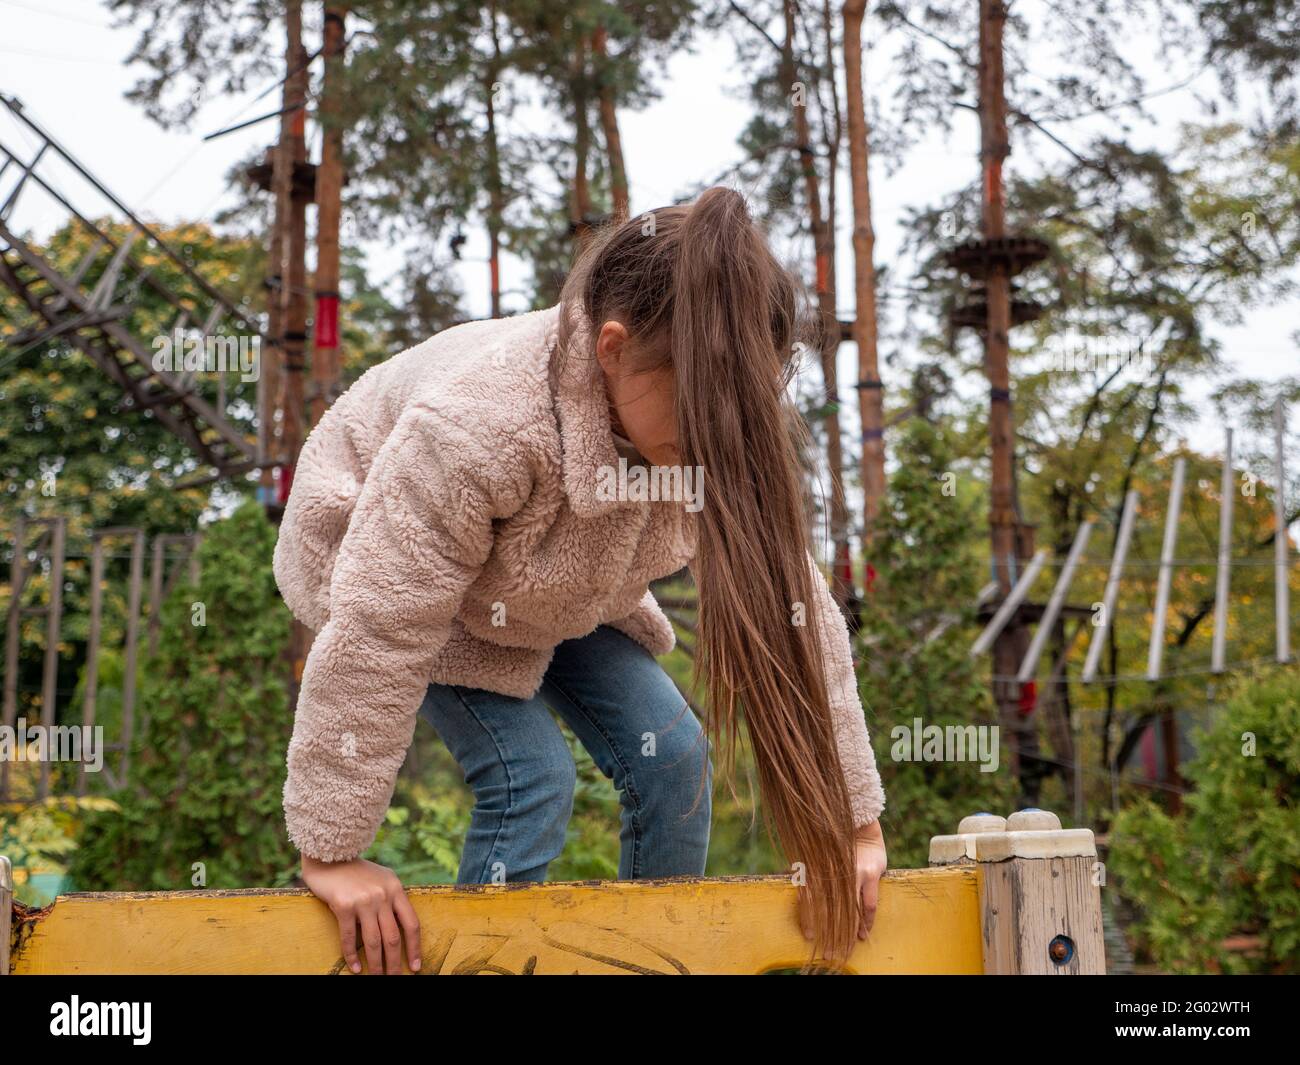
x: 446, y: 525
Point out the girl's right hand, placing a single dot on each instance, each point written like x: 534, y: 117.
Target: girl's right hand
x: 363, y: 893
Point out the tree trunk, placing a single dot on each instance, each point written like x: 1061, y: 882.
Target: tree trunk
x: 871, y: 399
x: 828, y: 326
x: 580, y: 203
x: 609, y: 125
x: 496, y: 196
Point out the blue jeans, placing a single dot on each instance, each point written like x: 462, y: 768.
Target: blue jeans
x: 637, y: 728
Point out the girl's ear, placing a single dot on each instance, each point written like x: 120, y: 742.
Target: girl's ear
x: 611, y: 344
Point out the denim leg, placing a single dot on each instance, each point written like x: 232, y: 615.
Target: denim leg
x: 639, y: 731
x: 519, y: 767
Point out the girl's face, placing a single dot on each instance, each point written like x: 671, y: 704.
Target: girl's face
x: 641, y: 403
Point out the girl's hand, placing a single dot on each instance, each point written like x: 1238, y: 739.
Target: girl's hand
x: 363, y: 893
x: 871, y: 864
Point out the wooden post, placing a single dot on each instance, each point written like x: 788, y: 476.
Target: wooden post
x: 92, y: 645
x: 13, y: 633
x: 1111, y: 596
x: 1281, y: 549
x: 291, y: 205
x: 325, y: 365
x: 1156, y: 650
x: 1030, y: 664
x: 1040, y: 903
x: 156, y: 592
x: 132, y: 648
x: 6, y: 911
x: 1004, y: 519
x: 1228, y: 490
x: 1009, y: 605
x: 53, y: 622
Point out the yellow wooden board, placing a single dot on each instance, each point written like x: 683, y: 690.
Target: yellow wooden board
x: 928, y: 922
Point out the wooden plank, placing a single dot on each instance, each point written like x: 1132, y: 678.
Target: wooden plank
x: 13, y: 634
x: 1111, y: 596
x: 928, y: 922
x: 1227, y: 491
x: 999, y: 620
x: 1281, y: 563
x: 1030, y: 664
x: 1156, y: 650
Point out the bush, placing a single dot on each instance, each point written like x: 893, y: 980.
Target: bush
x: 203, y: 804
x: 927, y: 577
x: 1230, y: 863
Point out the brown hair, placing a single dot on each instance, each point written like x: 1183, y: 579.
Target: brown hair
x: 698, y: 289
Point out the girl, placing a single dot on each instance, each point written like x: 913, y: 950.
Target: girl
x: 458, y: 538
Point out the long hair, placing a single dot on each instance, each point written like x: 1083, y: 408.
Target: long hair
x: 698, y: 289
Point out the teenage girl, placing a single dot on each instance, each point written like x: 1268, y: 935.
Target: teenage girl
x: 453, y: 540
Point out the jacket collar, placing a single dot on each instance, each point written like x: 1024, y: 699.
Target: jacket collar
x: 582, y: 408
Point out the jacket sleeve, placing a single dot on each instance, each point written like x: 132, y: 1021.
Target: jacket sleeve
x: 857, y: 759
x: 419, y: 536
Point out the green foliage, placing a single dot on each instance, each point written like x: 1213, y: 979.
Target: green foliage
x: 208, y: 766
x: 1230, y: 863
x: 37, y: 837
x: 927, y: 578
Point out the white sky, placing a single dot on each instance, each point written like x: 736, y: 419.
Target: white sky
x: 63, y: 59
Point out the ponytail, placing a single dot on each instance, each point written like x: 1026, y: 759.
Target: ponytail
x: 702, y: 288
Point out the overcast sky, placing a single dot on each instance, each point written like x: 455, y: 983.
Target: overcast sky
x: 64, y: 60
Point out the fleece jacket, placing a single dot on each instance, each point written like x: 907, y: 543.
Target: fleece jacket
x: 449, y: 523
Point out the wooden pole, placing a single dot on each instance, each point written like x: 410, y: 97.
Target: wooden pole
x: 132, y: 649
x: 293, y: 207
x: 1224, y: 576
x: 1156, y: 650
x: 92, y: 645
x: 1003, y: 516
x: 1111, y: 596
x: 1030, y: 664
x: 871, y: 400
x: 53, y: 622
x: 1010, y: 604
x: 325, y: 367
x: 13, y: 634
x: 1281, y: 563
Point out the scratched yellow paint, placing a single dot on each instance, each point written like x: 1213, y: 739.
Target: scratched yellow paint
x: 928, y: 923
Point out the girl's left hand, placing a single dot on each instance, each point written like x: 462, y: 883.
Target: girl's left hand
x: 869, y: 865
x: 871, y: 862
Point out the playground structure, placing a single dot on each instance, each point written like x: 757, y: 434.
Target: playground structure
x: 1003, y: 896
